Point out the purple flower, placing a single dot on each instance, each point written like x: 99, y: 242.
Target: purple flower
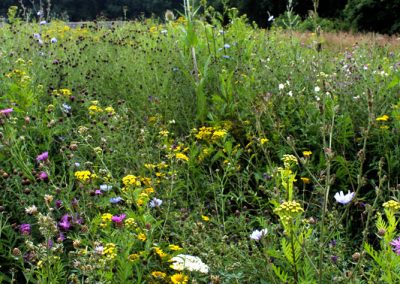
x: 155, y: 202
x: 61, y: 237
x: 6, y: 111
x: 396, y: 245
x: 334, y: 258
x: 118, y: 218
x: 115, y: 200
x: 58, y: 203
x: 43, y: 157
x: 65, y: 223
x: 98, y: 192
x: 43, y: 176
x: 36, y: 36
x: 25, y: 229
x: 258, y: 235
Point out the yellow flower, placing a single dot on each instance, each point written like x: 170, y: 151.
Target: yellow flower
x: 132, y: 257
x: 205, y: 218
x: 392, y: 205
x: 110, y: 110
x: 307, y: 154
x: 130, y: 223
x: 93, y: 109
x: 142, y: 237
x: 263, y: 141
x: 149, y: 190
x: 164, y: 133
x: 383, y: 118
x: 306, y: 180
x: 65, y: 92
x: 179, y: 278
x: 174, y: 247
x: 158, y: 274
x: 219, y: 134
x: 106, y: 217
x: 83, y: 175
x: 130, y: 180
x: 110, y: 251
x: 181, y: 156
x: 160, y: 252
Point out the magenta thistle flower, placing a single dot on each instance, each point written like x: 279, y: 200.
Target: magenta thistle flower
x: 118, y: 218
x: 43, y: 157
x: 25, y: 229
x: 396, y: 245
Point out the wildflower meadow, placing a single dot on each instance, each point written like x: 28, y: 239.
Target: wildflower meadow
x: 197, y: 149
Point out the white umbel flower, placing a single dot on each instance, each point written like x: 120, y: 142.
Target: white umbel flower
x: 188, y: 262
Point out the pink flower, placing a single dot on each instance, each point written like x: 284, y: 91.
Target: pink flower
x: 43, y: 176
x: 118, y: 218
x: 43, y: 157
x: 6, y: 111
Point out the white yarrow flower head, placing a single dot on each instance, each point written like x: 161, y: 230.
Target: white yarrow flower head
x: 344, y: 198
x: 281, y: 86
x: 188, y: 262
x: 258, y: 234
x: 317, y: 89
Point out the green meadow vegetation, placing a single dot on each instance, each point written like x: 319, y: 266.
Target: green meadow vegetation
x: 187, y: 151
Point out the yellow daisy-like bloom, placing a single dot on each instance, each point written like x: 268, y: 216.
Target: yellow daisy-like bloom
x: 164, y: 133
x: 158, y: 274
x: 205, y: 218
x: 181, y: 156
x: 383, y: 118
x: 148, y: 190
x: 307, y: 154
x: 160, y: 252
x: 263, y: 141
x: 218, y: 134
x: 150, y: 166
x: 65, y: 92
x: 133, y: 257
x: 142, y: 237
x: 179, y: 278
x: 174, y: 247
x: 83, y: 175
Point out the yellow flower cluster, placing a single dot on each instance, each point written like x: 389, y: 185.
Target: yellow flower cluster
x: 211, y: 134
x: 288, y: 210
x: 289, y: 161
x: 62, y: 92
x: 110, y: 251
x: 84, y: 175
x: 110, y: 110
x: 130, y: 223
x: 131, y: 180
x: 392, y: 205
x: 160, y: 252
x: 307, y: 154
x: 181, y: 156
x: 93, y: 109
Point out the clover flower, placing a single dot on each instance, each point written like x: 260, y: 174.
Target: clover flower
x: 43, y: 176
x: 258, y: 234
x: 188, y: 262
x: 6, y: 111
x: 344, y: 198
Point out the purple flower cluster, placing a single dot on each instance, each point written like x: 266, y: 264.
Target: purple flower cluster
x: 42, y: 157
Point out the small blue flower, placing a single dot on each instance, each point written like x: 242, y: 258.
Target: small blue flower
x: 66, y: 108
x: 115, y: 200
x: 53, y: 40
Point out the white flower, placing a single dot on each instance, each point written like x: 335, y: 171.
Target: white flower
x: 317, y: 89
x: 155, y: 202
x: 281, y: 86
x: 105, y: 187
x: 31, y: 210
x: 270, y: 18
x: 53, y: 40
x: 42, y: 23
x: 188, y: 262
x: 342, y: 198
x: 257, y: 235
x: 290, y: 94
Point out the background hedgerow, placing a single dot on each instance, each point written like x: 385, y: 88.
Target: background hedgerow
x: 154, y: 152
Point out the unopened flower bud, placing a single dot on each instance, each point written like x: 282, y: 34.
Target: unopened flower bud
x: 356, y: 256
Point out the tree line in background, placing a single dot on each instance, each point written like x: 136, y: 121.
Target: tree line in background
x: 360, y: 15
